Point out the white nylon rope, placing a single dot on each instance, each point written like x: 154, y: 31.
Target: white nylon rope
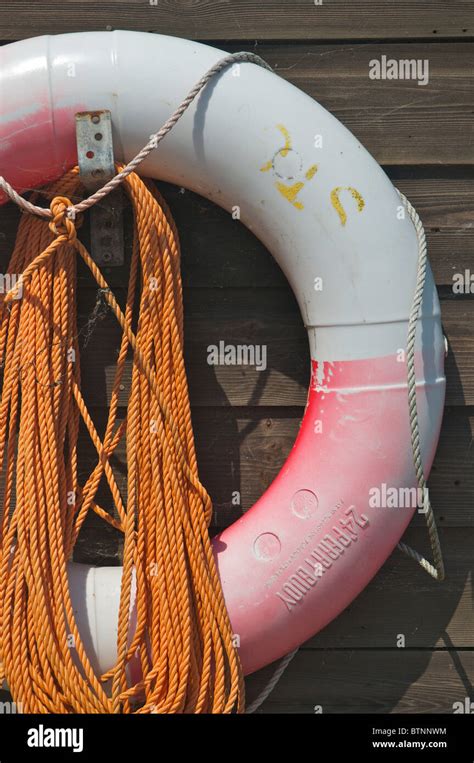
x: 436, y: 570
x: 267, y: 690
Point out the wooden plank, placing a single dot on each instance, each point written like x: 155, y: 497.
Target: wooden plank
x: 411, y: 682
x: 458, y: 326
x: 266, y: 317
x: 285, y: 380
x: 242, y: 450
x: 218, y: 251
x: 243, y: 19
x: 398, y: 121
x: 372, y: 681
x: 272, y: 320
x: 245, y: 450
x: 402, y: 600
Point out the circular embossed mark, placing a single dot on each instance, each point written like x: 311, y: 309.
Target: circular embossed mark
x: 304, y: 504
x: 267, y: 546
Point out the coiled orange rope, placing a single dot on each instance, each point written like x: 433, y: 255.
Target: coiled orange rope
x: 183, y: 636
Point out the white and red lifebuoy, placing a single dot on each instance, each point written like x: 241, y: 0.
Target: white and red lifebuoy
x: 334, y: 222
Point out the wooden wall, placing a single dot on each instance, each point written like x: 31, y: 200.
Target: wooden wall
x: 246, y: 421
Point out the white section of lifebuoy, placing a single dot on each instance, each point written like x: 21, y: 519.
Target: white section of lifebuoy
x: 333, y: 221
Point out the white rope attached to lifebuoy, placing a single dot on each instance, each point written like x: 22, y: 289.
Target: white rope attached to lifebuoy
x: 436, y: 570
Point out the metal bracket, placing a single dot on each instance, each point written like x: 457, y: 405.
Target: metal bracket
x: 96, y: 165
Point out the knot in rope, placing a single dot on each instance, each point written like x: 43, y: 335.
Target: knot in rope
x: 62, y: 224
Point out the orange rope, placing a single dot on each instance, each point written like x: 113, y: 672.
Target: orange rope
x: 183, y: 636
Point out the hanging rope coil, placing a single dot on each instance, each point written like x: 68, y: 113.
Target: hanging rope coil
x: 183, y: 637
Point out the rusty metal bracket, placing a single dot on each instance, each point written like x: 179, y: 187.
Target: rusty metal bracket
x: 96, y: 165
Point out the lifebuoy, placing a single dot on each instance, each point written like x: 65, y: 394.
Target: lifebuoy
x: 335, y: 224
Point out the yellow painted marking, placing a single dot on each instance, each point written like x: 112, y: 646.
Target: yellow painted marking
x: 286, y: 135
x: 290, y: 192
x: 283, y: 151
x: 335, y: 201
